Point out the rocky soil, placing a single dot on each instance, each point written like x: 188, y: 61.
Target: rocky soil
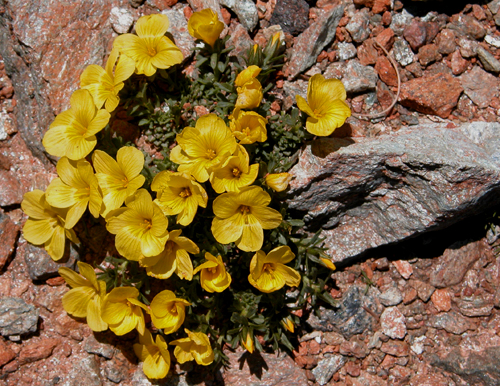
x: 404, y: 200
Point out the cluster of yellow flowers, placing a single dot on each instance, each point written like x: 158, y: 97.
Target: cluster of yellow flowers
x: 112, y: 188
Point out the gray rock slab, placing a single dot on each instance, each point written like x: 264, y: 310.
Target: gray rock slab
x: 17, y: 317
x: 40, y: 264
x: 84, y: 371
x: 488, y: 60
x: 351, y: 318
x: 309, y: 43
x: 387, y: 189
x: 179, y: 30
x: 327, y: 367
x: 476, y: 360
x: 246, y: 10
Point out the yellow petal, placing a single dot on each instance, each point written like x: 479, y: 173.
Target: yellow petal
x: 94, y: 319
x: 228, y: 230
x: 32, y: 205
x: 76, y: 300
x: 72, y: 278
x: 55, y: 246
x: 130, y: 160
x: 252, y: 236
x: 155, y: 366
x: 38, y: 231
x: 154, y: 25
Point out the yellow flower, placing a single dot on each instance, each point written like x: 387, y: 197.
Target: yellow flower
x: 288, y: 324
x: 248, y: 127
x: 213, y: 277
x: 123, y: 312
x: 269, y: 273
x: 249, y: 88
x: 205, y: 25
x: 103, y: 84
x: 168, y: 312
x: 76, y: 188
x: 248, y: 343
x: 118, y: 179
x: 155, y: 355
x: 234, y: 173
x: 150, y: 48
x: 325, y: 105
x: 202, y: 148
x: 45, y: 225
x: 196, y: 346
x: 178, y: 194
x: 278, y: 182
x: 140, y: 228
x: 174, y: 258
x: 241, y: 218
x: 84, y: 300
x: 72, y: 134
x: 328, y: 263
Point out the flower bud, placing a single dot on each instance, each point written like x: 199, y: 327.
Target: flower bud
x: 328, y: 263
x: 273, y: 46
x: 255, y: 56
x: 288, y: 324
x: 205, y: 25
x: 278, y: 182
x: 248, y: 343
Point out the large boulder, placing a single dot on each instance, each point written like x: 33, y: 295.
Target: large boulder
x: 394, y: 187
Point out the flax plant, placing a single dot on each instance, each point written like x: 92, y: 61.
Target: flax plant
x: 205, y: 254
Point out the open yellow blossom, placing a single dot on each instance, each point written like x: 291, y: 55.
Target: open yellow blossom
x: 325, y: 105
x: 150, y: 48
x: 104, y: 84
x: 140, y: 228
x: 234, y: 173
x: 75, y: 189
x: 269, y: 273
x: 279, y: 181
x: 196, y: 346
x: 202, y: 148
x: 118, y: 179
x: 46, y: 224
x: 174, y: 258
x: 85, y: 298
x: 242, y: 216
x: 205, y: 25
x: 153, y: 354
x: 177, y: 194
x: 248, y: 127
x: 72, y: 134
x: 123, y: 312
x: 168, y: 312
x: 249, y: 88
x: 328, y: 263
x: 213, y: 277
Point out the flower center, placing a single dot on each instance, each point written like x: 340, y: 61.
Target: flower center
x: 186, y: 192
x: 246, y: 131
x: 212, y: 270
x: 317, y: 113
x: 169, y: 247
x: 151, y: 51
x: 244, y: 209
x: 236, y: 172
x: 210, y: 154
x: 268, y: 268
x: 147, y: 224
x: 173, y: 309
